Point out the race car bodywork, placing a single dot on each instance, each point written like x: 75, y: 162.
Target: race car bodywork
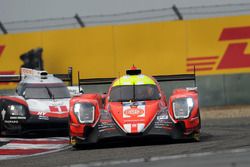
x: 41, y: 103
x: 135, y: 106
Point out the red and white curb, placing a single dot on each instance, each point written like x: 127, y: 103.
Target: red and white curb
x: 18, y: 147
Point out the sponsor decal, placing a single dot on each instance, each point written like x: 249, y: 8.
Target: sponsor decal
x: 162, y: 117
x: 42, y: 116
x: 17, y: 117
x: 11, y: 121
x: 134, y: 112
x: 134, y: 109
x: 27, y: 71
x: 201, y: 63
x: 234, y: 56
x: 41, y: 113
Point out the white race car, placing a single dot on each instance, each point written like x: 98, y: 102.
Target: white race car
x: 41, y: 103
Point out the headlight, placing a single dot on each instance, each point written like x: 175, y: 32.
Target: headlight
x: 85, y: 112
x: 16, y: 110
x: 182, y: 107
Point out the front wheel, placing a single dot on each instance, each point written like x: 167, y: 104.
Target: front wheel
x: 73, y: 143
x: 78, y: 144
x: 196, y: 137
x: 197, y: 134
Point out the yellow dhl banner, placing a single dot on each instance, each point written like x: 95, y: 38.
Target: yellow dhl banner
x: 213, y: 46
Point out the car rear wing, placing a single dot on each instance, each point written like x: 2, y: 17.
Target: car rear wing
x: 179, y: 77
x: 159, y: 78
x: 93, y: 81
x: 10, y: 78
x: 17, y: 78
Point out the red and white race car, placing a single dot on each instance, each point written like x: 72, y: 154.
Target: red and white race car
x: 41, y: 103
x: 135, y: 106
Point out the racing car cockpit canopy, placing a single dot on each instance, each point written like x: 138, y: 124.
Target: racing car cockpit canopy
x: 41, y: 85
x: 134, y: 87
x: 45, y: 91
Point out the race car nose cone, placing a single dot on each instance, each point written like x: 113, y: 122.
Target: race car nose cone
x: 134, y: 118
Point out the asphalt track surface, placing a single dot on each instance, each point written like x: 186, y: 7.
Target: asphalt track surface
x: 224, y: 142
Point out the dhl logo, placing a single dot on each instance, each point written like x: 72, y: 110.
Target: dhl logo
x: 2, y: 47
x: 233, y: 57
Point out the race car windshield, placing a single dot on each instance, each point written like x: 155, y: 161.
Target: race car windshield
x: 59, y: 92
x: 46, y: 92
x: 134, y: 93
x: 36, y: 93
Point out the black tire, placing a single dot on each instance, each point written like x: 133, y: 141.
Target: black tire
x: 73, y: 142
x: 197, y: 137
x: 77, y: 146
